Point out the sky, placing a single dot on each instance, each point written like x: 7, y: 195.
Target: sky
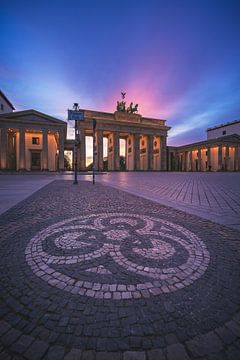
x: 179, y: 60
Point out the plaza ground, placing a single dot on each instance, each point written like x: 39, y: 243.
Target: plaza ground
x: 212, y: 196
x: 94, y: 272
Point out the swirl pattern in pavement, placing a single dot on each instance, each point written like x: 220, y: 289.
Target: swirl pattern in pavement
x: 94, y: 237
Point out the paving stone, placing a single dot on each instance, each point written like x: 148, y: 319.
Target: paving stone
x: 134, y: 355
x: 10, y: 337
x: 37, y: 350
x: 55, y: 353
x: 226, y: 335
x: 233, y: 353
x: 158, y: 290
x: 156, y: 354
x: 73, y: 354
x: 88, y: 355
x: 5, y: 356
x: 102, y: 355
x: 205, y: 344
x: 217, y: 356
x: 22, y: 344
x: 171, y: 339
x: 176, y: 352
x: 234, y: 327
x: 4, y: 327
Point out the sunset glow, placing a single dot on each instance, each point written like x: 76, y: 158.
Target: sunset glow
x: 178, y: 60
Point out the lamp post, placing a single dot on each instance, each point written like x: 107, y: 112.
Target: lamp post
x: 76, y: 114
x: 76, y: 144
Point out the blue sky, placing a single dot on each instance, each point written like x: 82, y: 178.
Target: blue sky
x: 179, y: 60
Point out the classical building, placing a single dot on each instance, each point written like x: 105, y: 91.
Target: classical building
x: 31, y: 140
x: 229, y: 128
x: 5, y: 105
x: 145, y: 140
x: 220, y: 152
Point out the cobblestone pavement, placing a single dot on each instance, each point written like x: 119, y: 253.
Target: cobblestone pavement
x: 15, y: 188
x: 91, y: 272
x: 213, y: 196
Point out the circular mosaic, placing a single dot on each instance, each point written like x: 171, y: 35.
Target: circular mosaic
x: 152, y: 256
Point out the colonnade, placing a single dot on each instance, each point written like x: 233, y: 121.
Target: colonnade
x: 16, y: 143
x: 143, y: 151
x: 211, y: 158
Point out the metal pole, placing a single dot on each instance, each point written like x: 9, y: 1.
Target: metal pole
x: 94, y: 149
x: 75, y: 155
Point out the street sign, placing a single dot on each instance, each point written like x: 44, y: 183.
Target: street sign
x: 75, y: 115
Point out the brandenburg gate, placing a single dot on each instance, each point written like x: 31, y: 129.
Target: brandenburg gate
x: 145, y: 140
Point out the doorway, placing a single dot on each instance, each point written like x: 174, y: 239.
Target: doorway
x: 35, y: 160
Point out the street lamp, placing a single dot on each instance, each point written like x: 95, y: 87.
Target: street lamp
x: 76, y: 114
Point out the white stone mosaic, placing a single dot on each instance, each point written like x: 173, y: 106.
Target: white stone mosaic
x: 145, y: 239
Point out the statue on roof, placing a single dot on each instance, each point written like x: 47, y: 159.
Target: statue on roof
x: 121, y: 105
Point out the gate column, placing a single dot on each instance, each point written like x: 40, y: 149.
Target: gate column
x: 163, y: 152
x: 209, y: 158
x: 22, y: 149
x: 45, y: 150
x: 116, y: 152
x: 82, y: 150
x: 99, y: 160
x: 3, y: 148
x: 136, y: 139
x: 61, y: 150
x: 220, y: 158
x: 150, y: 151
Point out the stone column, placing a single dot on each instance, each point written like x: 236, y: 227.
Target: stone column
x: 61, y: 150
x: 226, y: 162
x: 163, y: 155
x: 45, y: 150
x: 190, y: 161
x: 136, y: 140
x: 184, y: 161
x: 116, y: 151
x: 209, y: 159
x: 21, y: 149
x: 3, y: 149
x: 150, y: 151
x: 99, y: 159
x: 82, y: 151
x: 220, y: 158
x: 236, y: 158
x: 199, y: 160
x: 169, y: 160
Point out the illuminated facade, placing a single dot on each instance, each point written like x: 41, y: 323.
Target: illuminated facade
x: 30, y: 140
x: 145, y: 140
x: 218, y: 154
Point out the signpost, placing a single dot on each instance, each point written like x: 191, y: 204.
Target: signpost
x: 77, y: 115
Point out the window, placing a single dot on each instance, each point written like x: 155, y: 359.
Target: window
x: 35, y: 141
x: 2, y: 107
x: 224, y: 132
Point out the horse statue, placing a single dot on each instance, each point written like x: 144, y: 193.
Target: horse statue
x: 121, y: 105
x: 132, y: 109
